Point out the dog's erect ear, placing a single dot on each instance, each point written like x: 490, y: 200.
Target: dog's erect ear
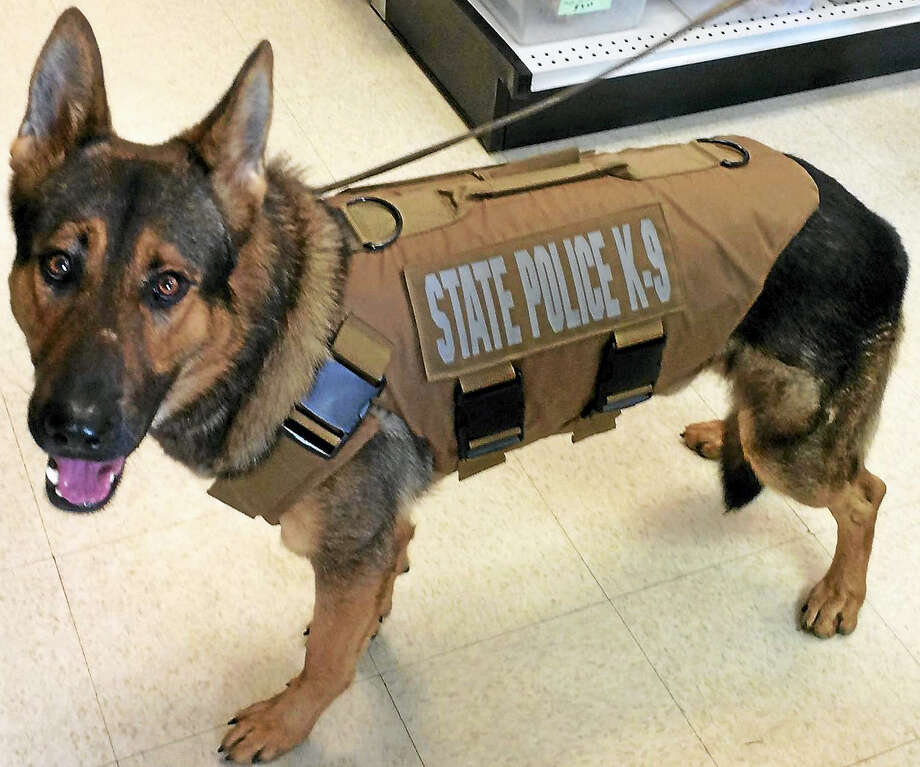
x: 67, y: 102
x: 231, y: 140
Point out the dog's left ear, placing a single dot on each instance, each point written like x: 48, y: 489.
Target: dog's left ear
x: 231, y: 139
x: 67, y: 102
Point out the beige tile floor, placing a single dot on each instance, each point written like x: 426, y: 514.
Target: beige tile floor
x: 589, y: 608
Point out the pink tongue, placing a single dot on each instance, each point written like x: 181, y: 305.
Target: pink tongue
x: 84, y: 483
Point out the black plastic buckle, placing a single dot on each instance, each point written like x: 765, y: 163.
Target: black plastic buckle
x: 489, y: 419
x: 626, y: 376
x: 332, y: 410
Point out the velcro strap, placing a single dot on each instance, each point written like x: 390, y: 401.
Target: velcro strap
x: 467, y: 468
x: 362, y: 348
x: 594, y: 423
x: 489, y: 377
x: 636, y: 334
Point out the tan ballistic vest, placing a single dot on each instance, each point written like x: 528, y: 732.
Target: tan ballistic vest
x: 528, y: 272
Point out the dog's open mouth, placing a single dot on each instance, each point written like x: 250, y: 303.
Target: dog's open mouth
x: 76, y: 485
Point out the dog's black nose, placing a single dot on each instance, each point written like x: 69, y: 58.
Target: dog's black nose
x: 75, y: 428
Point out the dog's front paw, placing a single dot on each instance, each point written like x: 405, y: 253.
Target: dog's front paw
x: 269, y: 728
x: 704, y: 438
x: 831, y: 608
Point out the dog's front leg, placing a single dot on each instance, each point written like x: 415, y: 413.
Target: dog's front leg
x: 355, y: 531
x: 345, y: 615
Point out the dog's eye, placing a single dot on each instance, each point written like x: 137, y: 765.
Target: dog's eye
x: 58, y: 267
x: 169, y: 287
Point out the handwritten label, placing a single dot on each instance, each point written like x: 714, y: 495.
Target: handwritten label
x: 571, y: 7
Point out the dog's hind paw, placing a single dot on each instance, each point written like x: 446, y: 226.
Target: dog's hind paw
x: 704, y: 439
x: 830, y: 609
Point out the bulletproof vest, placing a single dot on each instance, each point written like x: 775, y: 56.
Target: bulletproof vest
x: 496, y: 306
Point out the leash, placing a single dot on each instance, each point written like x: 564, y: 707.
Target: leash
x: 522, y: 114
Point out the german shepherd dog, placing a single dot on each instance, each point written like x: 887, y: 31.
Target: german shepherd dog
x: 189, y: 290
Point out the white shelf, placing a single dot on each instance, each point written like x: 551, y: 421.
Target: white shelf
x: 562, y: 63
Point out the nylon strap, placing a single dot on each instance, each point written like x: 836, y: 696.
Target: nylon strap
x: 362, y: 347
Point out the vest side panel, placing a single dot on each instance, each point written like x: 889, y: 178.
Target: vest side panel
x: 376, y: 292
x: 727, y: 226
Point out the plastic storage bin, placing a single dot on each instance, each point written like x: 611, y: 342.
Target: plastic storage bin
x: 752, y: 9
x: 540, y: 21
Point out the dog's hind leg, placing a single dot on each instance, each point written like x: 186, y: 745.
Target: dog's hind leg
x: 834, y: 602
x: 808, y: 440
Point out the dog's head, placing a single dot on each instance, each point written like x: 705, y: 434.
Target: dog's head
x: 123, y: 275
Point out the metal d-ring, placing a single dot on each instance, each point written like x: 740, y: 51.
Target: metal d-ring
x: 745, y: 155
x: 392, y: 210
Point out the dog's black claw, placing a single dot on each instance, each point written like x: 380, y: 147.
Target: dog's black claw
x: 233, y: 721
x: 682, y: 434
x: 373, y: 636
x: 380, y: 619
x: 804, y: 608
x: 406, y: 570
x: 307, y: 632
x: 220, y: 749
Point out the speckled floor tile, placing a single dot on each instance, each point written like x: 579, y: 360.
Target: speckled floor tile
x: 184, y: 626
x: 880, y: 114
x: 891, y: 588
x: 22, y: 537
x: 360, y: 729
x: 758, y: 691
x: 353, y: 90
x: 488, y: 556
x: 573, y: 691
x: 641, y: 508
x: 153, y: 103
x: 153, y: 95
x: 903, y: 756
x: 49, y: 716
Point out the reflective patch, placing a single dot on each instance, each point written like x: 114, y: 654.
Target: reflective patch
x: 481, y: 308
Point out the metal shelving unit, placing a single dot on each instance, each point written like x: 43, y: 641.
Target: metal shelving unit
x: 740, y: 58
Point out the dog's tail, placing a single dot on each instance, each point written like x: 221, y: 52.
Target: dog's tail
x: 740, y: 485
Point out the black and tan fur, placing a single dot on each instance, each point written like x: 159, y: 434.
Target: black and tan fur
x: 262, y: 262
